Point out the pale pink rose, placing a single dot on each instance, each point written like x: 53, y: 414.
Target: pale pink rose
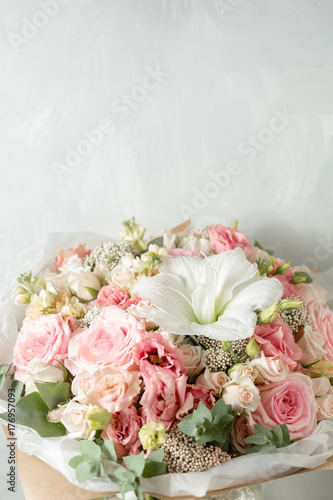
x: 320, y: 386
x: 113, y: 388
x: 79, y: 250
x: 322, y: 321
x: 74, y: 419
x: 289, y: 289
x: 225, y: 238
x: 166, y: 399
x: 312, y: 345
x: 110, y: 295
x: 270, y: 369
x: 325, y: 407
x: 45, y: 338
x: 276, y: 339
x: 194, y: 359
x: 248, y: 370
x: 313, y: 293
x: 157, y: 354
x: 241, y: 429
x: 81, y: 385
x: 180, y: 252
x: 241, y: 394
x: 289, y: 402
x: 212, y: 380
x: 108, y: 341
x: 123, y: 431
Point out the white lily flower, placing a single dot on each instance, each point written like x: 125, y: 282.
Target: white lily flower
x: 216, y: 296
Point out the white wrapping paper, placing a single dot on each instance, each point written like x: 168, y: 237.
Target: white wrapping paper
x: 307, y: 453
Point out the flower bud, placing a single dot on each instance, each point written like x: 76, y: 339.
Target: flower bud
x: 39, y: 282
x: 301, y: 277
x: 152, y: 435
x: 268, y: 315
x: 252, y: 349
x: 290, y: 304
x: 283, y: 268
x: 97, y: 418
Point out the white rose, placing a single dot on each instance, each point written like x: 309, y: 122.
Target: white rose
x: 270, y: 369
x: 243, y: 370
x: 212, y: 380
x: 241, y: 394
x: 73, y: 264
x: 74, y: 419
x: 140, y: 311
x: 81, y: 385
x: 54, y: 416
x: 320, y: 386
x: 195, y: 244
x: 81, y: 282
x: 241, y: 429
x: 177, y: 340
x: 325, y: 407
x: 194, y: 359
x: 123, y: 275
x: 41, y: 372
x: 312, y: 344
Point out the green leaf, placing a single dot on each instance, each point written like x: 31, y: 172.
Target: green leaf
x: 31, y: 411
x: 18, y: 388
x: 109, y: 450
x: 91, y: 449
x: 222, y: 420
x: 187, y: 427
x: 154, y: 469
x: 2, y: 380
x: 204, y: 412
x: 93, y: 292
x: 257, y: 244
x: 82, y: 471
x: 135, y: 463
x: 277, y: 436
x: 63, y: 367
x: 220, y: 408
x: 96, y: 468
x: 156, y: 241
x: 253, y: 449
x: 156, y: 456
x: 75, y: 461
x: 256, y: 439
x: 260, y: 430
x: 267, y: 448
x: 286, y: 435
x: 53, y: 393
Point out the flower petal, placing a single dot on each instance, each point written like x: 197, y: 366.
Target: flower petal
x: 259, y: 294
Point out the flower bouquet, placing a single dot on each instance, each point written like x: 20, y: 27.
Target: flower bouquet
x: 190, y: 363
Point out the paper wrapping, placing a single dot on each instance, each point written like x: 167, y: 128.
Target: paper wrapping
x: 308, y: 453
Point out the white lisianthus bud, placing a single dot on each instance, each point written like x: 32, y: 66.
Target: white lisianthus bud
x: 85, y: 285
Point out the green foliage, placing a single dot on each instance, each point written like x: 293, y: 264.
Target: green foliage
x: 266, y: 441
x: 93, y: 292
x: 209, y: 426
x: 154, y: 465
x: 89, y: 463
x: 3, y: 370
x: 257, y: 244
x: 265, y: 266
x: 32, y: 411
x: 18, y: 388
x: 53, y: 393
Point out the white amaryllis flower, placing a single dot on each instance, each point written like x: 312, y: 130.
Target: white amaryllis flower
x: 216, y: 297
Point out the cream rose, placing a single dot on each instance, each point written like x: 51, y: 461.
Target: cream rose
x: 81, y: 385
x: 54, y: 416
x: 82, y: 282
x: 311, y: 343
x: 194, y: 359
x: 212, y: 380
x: 325, y: 407
x: 241, y: 394
x: 320, y: 386
x: 41, y: 372
x: 269, y: 369
x: 243, y: 370
x: 123, y: 275
x: 74, y: 419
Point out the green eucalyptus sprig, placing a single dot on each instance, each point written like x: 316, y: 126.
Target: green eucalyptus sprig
x: 266, y: 441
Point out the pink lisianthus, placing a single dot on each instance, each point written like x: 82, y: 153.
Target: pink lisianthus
x: 45, y: 338
x: 322, y: 321
x: 154, y: 353
x: 199, y: 393
x: 110, y: 295
x: 276, y: 339
x: 108, y: 341
x: 291, y: 402
x: 180, y: 252
x: 123, y: 431
x: 165, y: 399
x: 289, y: 289
x: 113, y: 388
x: 225, y: 238
x: 79, y: 250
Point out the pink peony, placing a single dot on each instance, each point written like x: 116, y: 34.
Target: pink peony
x: 45, y: 338
x: 322, y: 321
x: 291, y: 402
x: 165, y: 398
x: 154, y: 353
x: 289, y: 289
x: 79, y: 250
x: 276, y: 339
x: 225, y: 238
x: 110, y: 295
x: 113, y: 388
x: 108, y: 341
x: 123, y: 430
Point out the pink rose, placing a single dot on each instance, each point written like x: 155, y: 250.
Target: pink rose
x: 322, y: 321
x: 241, y: 429
x: 291, y: 402
x: 315, y: 293
x: 123, y: 430
x: 108, y: 341
x: 325, y: 407
x: 110, y: 295
x: 225, y: 238
x: 312, y: 344
x: 79, y: 250
x: 289, y: 289
x: 165, y: 399
x: 212, y: 380
x: 276, y: 339
x: 113, y: 388
x: 269, y: 369
x: 45, y: 338
x: 154, y: 353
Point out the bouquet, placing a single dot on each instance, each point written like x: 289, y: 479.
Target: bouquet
x: 172, y: 356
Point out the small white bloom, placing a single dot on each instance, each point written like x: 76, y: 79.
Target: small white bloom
x: 123, y: 275
x: 269, y: 369
x: 195, y: 244
x: 243, y: 370
x: 81, y: 385
x: 194, y: 359
x: 80, y: 284
x: 212, y: 380
x: 74, y: 419
x: 38, y: 371
x: 241, y: 394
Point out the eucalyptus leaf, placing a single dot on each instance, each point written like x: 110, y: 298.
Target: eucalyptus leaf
x: 75, y: 461
x: 109, y: 450
x: 154, y: 469
x: 18, y: 388
x: 53, y: 393
x: 91, y: 449
x: 82, y: 471
x: 135, y: 463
